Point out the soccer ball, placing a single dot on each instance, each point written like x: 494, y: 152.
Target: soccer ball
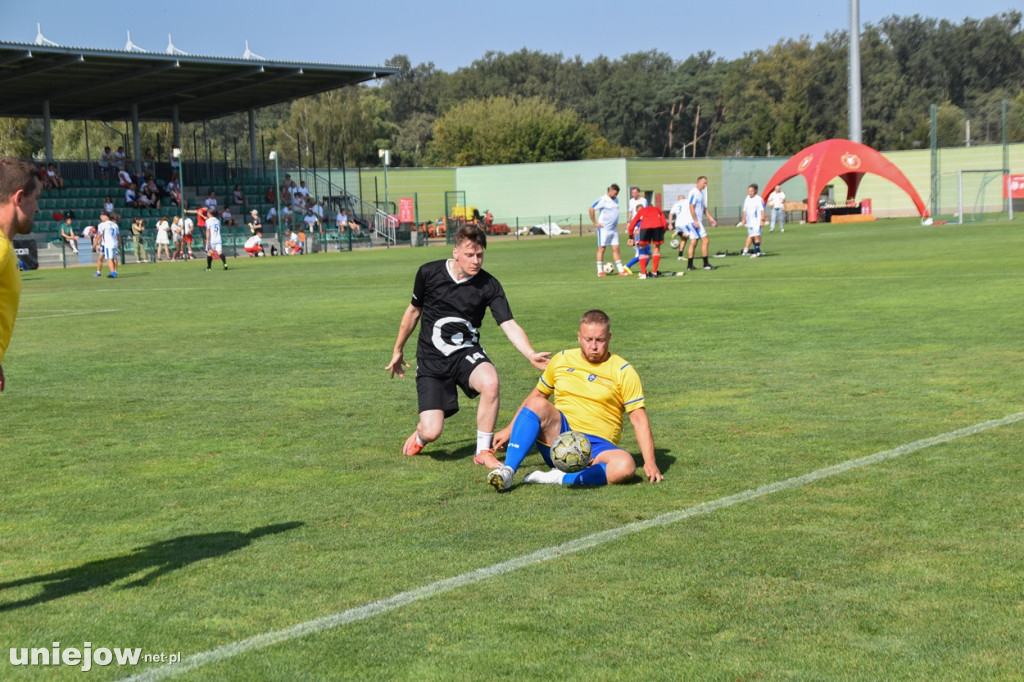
x: 571, y: 452
x: 609, y: 268
x: 674, y: 243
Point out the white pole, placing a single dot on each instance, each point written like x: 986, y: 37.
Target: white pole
x: 960, y: 195
x: 854, y: 85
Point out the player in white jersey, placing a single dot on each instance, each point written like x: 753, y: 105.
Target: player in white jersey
x: 752, y: 219
x: 680, y: 217
x: 698, y: 200
x: 213, y: 240
x: 107, y: 233
x: 604, y: 215
x: 636, y: 202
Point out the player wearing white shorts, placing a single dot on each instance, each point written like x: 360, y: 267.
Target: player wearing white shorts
x: 107, y: 234
x: 680, y: 217
x: 213, y: 241
x: 604, y: 215
x: 753, y: 218
x: 697, y: 200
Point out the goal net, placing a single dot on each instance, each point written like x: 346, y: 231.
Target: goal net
x: 970, y: 196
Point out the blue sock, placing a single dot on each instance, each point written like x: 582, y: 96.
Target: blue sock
x: 525, y: 430
x: 592, y: 475
x: 636, y: 259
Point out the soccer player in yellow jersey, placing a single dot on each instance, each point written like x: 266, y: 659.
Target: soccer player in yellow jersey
x: 592, y: 388
x: 19, y: 197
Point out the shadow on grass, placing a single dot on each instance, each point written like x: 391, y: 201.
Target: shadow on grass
x: 159, y: 558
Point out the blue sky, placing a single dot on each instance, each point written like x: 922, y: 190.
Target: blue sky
x: 451, y: 33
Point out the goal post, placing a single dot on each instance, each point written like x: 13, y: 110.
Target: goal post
x: 973, y: 195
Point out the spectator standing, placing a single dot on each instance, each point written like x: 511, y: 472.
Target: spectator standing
x: 187, y: 226
x: 148, y: 161
x: 255, y: 226
x: 119, y: 159
x: 106, y: 160
x: 138, y: 228
x: 163, y: 238
x: 177, y: 238
x: 777, y: 204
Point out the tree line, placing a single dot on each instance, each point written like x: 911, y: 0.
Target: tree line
x: 532, y: 106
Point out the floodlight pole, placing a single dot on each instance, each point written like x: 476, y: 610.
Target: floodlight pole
x: 856, y: 124
x: 277, y: 195
x: 176, y: 153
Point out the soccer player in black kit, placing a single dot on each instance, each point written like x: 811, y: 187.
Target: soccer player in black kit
x: 451, y: 296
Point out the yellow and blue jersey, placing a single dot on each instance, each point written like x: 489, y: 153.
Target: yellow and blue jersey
x: 10, y: 292
x: 592, y: 397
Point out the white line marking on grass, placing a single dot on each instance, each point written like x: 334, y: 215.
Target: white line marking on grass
x: 359, y: 613
x: 68, y: 313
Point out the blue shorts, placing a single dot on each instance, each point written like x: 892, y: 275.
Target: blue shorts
x: 597, y: 444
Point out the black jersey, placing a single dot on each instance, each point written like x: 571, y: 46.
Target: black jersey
x: 452, y: 312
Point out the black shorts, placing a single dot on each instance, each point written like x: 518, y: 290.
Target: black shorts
x: 436, y: 379
x: 654, y: 235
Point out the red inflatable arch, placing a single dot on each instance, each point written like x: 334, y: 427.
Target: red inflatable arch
x: 845, y: 159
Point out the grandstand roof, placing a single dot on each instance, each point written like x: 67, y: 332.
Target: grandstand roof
x: 102, y: 85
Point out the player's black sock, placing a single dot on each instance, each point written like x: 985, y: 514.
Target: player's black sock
x: 689, y: 262
x: 706, y: 263
x: 209, y: 262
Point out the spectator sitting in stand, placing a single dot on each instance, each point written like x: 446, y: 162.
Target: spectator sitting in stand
x: 142, y: 198
x: 54, y: 177
x: 67, y: 233
x: 108, y: 205
x: 173, y: 190
x: 211, y: 201
x: 272, y: 216
x: 286, y: 215
x: 153, y: 191
x: 148, y: 161
x: 238, y: 197
x: 311, y: 221
x: 270, y: 195
x: 131, y: 197
x: 124, y: 178
x: 226, y: 219
x: 120, y: 158
x: 106, y: 159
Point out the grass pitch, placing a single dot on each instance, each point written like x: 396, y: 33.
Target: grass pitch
x: 192, y: 459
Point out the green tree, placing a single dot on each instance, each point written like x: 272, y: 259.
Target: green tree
x: 507, y: 130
